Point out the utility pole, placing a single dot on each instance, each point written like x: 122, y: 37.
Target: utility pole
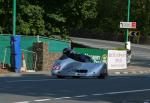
x: 127, y: 42
x: 15, y: 44
x: 14, y: 17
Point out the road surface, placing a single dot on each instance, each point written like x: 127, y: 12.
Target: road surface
x: 43, y: 89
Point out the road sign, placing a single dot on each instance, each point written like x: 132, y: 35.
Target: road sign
x: 128, y: 25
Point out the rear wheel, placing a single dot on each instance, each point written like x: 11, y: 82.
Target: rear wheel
x: 75, y: 77
x: 60, y: 76
x: 103, y: 75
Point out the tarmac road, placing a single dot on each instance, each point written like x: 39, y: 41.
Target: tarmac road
x: 43, y: 89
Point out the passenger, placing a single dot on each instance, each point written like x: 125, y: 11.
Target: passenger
x: 69, y: 52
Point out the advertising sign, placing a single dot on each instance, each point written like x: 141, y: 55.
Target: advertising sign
x: 117, y: 59
x: 98, y: 55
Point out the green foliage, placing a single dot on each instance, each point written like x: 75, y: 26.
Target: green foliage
x: 88, y: 9
x: 0, y: 11
x: 48, y: 17
x: 56, y: 23
x: 1, y: 30
x: 24, y: 27
x: 30, y: 20
x: 57, y: 18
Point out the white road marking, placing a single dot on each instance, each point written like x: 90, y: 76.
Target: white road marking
x: 23, y: 102
x: 82, y: 96
x: 97, y: 94
x: 123, y: 92
x: 117, y: 73
x: 63, y: 98
x: 125, y: 72
x: 66, y: 97
x: 141, y: 72
x: 58, y: 98
x: 42, y: 80
x: 42, y: 100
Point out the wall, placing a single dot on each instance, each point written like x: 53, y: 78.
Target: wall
x: 54, y: 46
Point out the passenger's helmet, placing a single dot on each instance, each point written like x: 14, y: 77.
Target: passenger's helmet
x: 67, y: 51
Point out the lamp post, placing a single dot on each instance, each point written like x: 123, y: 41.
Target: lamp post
x: 127, y: 42
x: 14, y: 17
x: 15, y: 44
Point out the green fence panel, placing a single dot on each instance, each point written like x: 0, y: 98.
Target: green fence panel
x: 5, y: 49
x: 5, y: 55
x: 5, y: 40
x: 54, y: 45
x: 29, y: 55
x: 27, y: 42
x: 2, y: 52
x: 98, y: 55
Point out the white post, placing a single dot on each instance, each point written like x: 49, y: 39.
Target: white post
x: 4, y: 57
x: 128, y: 45
x: 38, y: 38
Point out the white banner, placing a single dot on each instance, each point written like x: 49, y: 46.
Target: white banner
x: 117, y: 59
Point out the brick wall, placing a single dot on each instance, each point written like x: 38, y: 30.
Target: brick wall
x: 45, y: 59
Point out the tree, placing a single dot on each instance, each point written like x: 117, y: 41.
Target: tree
x: 5, y: 16
x: 30, y: 20
x: 40, y: 17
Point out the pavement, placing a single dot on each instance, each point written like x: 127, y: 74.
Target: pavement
x: 28, y: 73
x: 131, y: 70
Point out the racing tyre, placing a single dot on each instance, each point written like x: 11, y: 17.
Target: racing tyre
x: 60, y: 76
x: 75, y: 77
x: 103, y: 75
